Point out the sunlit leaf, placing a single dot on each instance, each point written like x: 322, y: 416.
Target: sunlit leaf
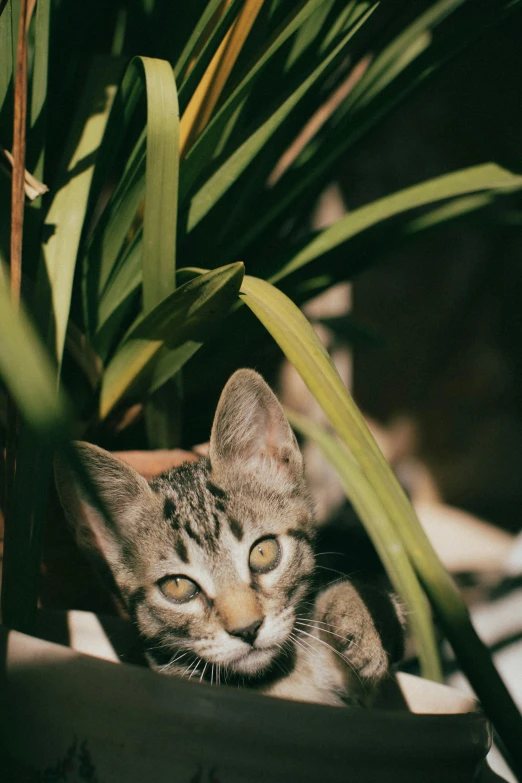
x: 296, y: 338
x: 488, y: 178
x: 186, y: 314
x: 66, y: 214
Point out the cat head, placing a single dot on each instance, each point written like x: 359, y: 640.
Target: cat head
x: 213, y: 558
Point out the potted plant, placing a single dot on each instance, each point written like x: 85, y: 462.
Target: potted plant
x: 134, y: 296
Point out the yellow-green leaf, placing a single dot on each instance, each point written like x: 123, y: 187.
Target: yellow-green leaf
x: 186, y: 314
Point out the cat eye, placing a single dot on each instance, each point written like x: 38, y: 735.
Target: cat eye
x: 178, y: 588
x: 264, y: 555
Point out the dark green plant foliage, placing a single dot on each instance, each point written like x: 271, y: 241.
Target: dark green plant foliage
x: 84, y: 281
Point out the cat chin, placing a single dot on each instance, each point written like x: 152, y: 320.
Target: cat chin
x: 254, y: 662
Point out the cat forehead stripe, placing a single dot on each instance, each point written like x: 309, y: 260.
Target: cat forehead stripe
x: 191, y: 533
x: 181, y: 551
x: 216, y: 491
x: 217, y: 526
x: 236, y: 528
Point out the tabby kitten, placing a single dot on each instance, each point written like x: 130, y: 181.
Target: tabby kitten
x: 214, y: 562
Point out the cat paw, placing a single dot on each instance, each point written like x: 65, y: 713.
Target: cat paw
x: 345, y: 623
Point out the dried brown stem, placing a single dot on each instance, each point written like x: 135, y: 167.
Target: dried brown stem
x: 317, y: 120
x: 18, y: 181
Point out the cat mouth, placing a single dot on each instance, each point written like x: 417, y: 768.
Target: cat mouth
x: 254, y: 661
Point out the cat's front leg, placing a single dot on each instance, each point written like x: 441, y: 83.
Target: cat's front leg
x: 364, y: 626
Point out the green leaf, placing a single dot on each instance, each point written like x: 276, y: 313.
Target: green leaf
x: 488, y: 178
x: 294, y: 335
x: 6, y: 52
x: 163, y: 410
x: 65, y: 218
x: 121, y: 288
x: 187, y: 314
x: 28, y: 372
x: 107, y: 243
x: 410, y: 60
x: 211, y: 139
x: 296, y: 338
x: 170, y: 361
x: 309, y: 32
x: 373, y: 515
x: 197, y: 69
x: 152, y: 170
x: 194, y: 40
x: 218, y: 184
x: 161, y: 181
x: 36, y: 138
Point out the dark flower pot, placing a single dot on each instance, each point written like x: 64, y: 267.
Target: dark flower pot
x: 68, y: 716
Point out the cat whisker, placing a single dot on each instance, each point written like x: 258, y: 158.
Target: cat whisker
x: 172, y: 661
x: 189, y: 667
x: 339, y: 579
x: 315, y: 624
x: 332, y: 633
x: 203, y: 672
x: 324, y: 630
x: 194, y: 670
x: 307, y: 648
x: 301, y: 643
x: 340, y: 655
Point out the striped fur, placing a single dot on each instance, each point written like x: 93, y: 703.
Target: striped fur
x: 200, y: 521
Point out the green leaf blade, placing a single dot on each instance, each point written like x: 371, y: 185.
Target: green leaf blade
x: 29, y: 373
x: 378, y: 524
x: 488, y: 178
x: 297, y: 339
x: 186, y: 314
x: 65, y: 219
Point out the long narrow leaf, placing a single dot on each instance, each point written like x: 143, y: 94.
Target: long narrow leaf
x: 161, y: 184
x: 484, y: 178
x: 197, y: 70
x: 152, y: 170
x: 374, y: 517
x: 36, y: 140
x: 194, y: 40
x: 121, y: 289
x: 186, y: 314
x: 309, y: 32
x: 299, y: 185
x: 297, y: 339
x: 206, y: 96
x: 107, y: 243
x: 211, y: 138
x: 217, y: 185
x: 6, y: 52
x: 65, y: 218
x: 163, y: 410
x: 28, y: 372
x: 114, y: 232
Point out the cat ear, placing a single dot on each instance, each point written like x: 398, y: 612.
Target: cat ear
x: 124, y: 493
x: 250, y: 430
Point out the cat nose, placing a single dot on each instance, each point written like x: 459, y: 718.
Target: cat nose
x: 249, y: 633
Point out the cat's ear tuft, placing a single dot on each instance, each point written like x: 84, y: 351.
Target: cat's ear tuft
x: 250, y: 429
x: 124, y: 493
